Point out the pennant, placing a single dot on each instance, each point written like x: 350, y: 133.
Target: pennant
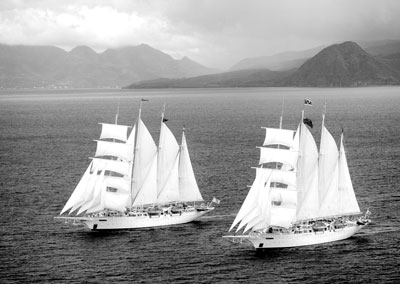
x: 144, y: 100
x: 164, y: 119
x: 215, y: 200
x: 307, y: 102
x: 308, y: 122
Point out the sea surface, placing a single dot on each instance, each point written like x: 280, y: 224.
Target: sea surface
x: 46, y: 139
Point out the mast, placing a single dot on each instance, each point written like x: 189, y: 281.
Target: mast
x: 116, y: 116
x: 328, y: 172
x: 308, y: 203
x: 280, y: 122
x: 144, y: 172
x: 167, y: 164
x: 135, y: 148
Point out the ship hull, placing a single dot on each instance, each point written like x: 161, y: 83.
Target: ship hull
x: 287, y: 240
x: 135, y: 222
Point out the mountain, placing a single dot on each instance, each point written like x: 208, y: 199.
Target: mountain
x: 240, y: 78
x: 343, y: 65
x: 339, y: 65
x: 48, y: 66
x: 278, y: 62
x: 381, y: 48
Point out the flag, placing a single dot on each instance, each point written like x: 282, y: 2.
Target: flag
x: 145, y: 100
x: 215, y: 200
x: 164, y: 119
x: 308, y: 122
x: 307, y: 102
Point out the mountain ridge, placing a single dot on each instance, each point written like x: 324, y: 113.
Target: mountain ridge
x: 343, y: 65
x: 24, y: 66
x: 338, y: 65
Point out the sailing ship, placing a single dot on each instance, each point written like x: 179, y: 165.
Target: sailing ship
x: 132, y: 183
x: 299, y: 196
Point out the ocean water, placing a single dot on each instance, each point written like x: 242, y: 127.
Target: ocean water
x: 46, y: 138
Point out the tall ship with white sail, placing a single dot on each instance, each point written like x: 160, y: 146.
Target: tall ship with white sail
x: 132, y: 183
x: 299, y: 196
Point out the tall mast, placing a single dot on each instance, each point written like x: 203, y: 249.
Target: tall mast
x: 161, y: 124
x: 116, y: 116
x: 280, y: 122
x: 162, y: 113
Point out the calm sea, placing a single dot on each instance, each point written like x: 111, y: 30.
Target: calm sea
x: 46, y: 138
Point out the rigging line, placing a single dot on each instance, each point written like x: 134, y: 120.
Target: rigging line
x: 116, y: 116
x: 283, y: 105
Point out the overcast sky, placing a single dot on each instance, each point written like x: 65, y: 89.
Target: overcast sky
x: 216, y: 33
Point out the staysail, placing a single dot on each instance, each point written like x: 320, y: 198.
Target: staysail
x: 79, y: 192
x: 328, y: 174
x: 167, y: 170
x: 188, y: 189
x: 307, y: 178
x: 144, y: 187
x: 347, y: 198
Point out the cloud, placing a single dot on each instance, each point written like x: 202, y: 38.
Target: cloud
x: 215, y: 33
x: 102, y: 26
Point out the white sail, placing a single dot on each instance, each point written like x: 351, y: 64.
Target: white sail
x: 251, y: 198
x: 131, y: 138
x: 284, y: 197
x: 147, y: 193
x: 114, y: 149
x: 118, y: 183
x: 144, y: 187
x: 116, y: 200
x: 170, y: 190
x: 347, y: 199
x: 97, y: 201
x: 79, y: 191
x: 117, y: 166
x: 88, y: 188
x: 277, y: 136
x: 94, y: 192
x: 188, y: 189
x: 328, y: 175
x: 264, y: 220
x: 114, y: 131
x: 262, y: 210
x: 308, y: 201
x: 282, y: 216
x: 167, y: 166
x: 114, y: 194
x: 284, y: 156
x: 281, y: 176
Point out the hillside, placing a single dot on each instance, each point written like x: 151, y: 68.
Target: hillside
x: 241, y: 78
x: 343, y: 65
x: 47, y: 66
x: 339, y: 65
x: 278, y: 62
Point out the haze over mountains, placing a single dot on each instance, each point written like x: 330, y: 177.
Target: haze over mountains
x: 339, y: 65
x: 82, y: 67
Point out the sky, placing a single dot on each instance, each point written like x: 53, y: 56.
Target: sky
x: 215, y: 33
